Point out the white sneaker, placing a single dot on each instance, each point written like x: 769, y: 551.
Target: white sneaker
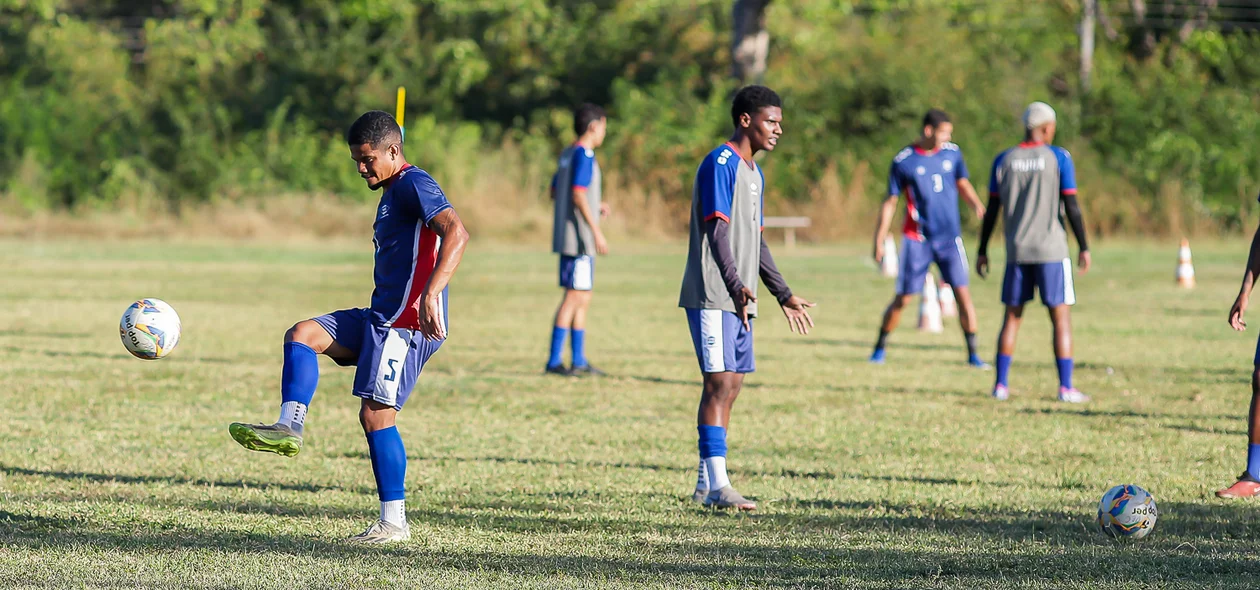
x: 1072, y: 396
x: 383, y: 532
x: 700, y: 495
x: 1001, y: 393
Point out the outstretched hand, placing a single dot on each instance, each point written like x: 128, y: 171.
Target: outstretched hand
x: 741, y: 303
x: 797, y: 311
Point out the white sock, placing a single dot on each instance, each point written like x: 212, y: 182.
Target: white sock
x: 716, y: 467
x: 702, y: 477
x: 293, y: 415
x: 394, y: 512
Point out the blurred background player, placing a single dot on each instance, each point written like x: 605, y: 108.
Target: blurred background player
x: 577, y: 238
x: 1248, y: 484
x: 932, y: 174
x: 727, y: 253
x: 1033, y: 185
x: 419, y: 242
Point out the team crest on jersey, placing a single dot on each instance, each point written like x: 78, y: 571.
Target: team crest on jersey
x: 920, y: 171
x: 753, y: 186
x: 384, y: 212
x: 947, y: 165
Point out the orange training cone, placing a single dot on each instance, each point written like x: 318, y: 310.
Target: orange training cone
x: 1185, y: 268
x: 949, y: 305
x: 930, y: 307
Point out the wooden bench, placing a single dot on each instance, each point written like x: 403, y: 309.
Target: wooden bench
x: 789, y: 225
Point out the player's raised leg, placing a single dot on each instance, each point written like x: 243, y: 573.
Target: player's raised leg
x: 299, y: 377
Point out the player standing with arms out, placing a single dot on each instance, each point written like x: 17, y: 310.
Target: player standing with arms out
x: 576, y: 237
x: 727, y: 253
x: 419, y: 242
x: 1248, y: 484
x: 1033, y: 185
x: 932, y: 174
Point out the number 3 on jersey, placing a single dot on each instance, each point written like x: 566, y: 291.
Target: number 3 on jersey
x: 938, y: 184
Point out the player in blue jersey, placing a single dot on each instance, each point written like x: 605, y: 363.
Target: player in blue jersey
x: 1033, y: 187
x: 576, y: 191
x: 931, y: 174
x: 726, y: 255
x: 1248, y: 484
x: 419, y: 242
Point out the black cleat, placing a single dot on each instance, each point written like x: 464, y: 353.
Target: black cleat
x: 587, y: 371
x: 560, y: 370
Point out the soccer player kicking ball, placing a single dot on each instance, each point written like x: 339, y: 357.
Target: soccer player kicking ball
x: 932, y: 174
x: 419, y: 242
x: 726, y: 254
x: 1248, y: 484
x: 1030, y: 185
x: 576, y: 237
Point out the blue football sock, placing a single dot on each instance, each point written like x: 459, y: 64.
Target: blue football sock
x: 1003, y: 368
x: 300, y: 374
x: 579, y: 347
x: 1065, y: 373
x: 1253, y: 460
x: 389, y: 463
x: 558, y: 335
x: 712, y: 441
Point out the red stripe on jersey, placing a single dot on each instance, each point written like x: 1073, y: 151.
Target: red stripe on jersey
x: 1068, y: 191
x: 718, y: 215
x: 424, y: 259
x: 911, y: 227
x: 741, y: 158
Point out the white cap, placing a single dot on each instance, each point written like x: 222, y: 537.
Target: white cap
x: 1038, y: 114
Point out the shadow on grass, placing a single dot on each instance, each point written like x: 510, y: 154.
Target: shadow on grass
x: 1061, y: 411
x: 175, y: 480
x: 101, y: 355
x: 928, y: 547
x: 1207, y: 430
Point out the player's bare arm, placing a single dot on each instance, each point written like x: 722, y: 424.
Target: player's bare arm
x: 882, y: 223
x: 796, y: 308
x: 986, y: 232
x: 584, y: 209
x: 968, y: 193
x: 1236, y: 312
x: 450, y: 229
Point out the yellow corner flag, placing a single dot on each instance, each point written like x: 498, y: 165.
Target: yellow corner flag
x: 400, y: 110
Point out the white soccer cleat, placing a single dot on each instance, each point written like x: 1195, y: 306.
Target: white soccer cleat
x: 727, y: 497
x: 700, y: 495
x: 383, y: 532
x: 1001, y: 393
x: 1072, y: 396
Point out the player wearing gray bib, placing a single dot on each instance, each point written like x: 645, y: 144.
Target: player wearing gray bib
x: 725, y: 257
x: 1033, y: 186
x: 576, y: 237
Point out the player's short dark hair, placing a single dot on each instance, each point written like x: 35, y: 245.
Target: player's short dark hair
x: 934, y: 118
x: 751, y: 99
x: 586, y: 114
x: 375, y: 128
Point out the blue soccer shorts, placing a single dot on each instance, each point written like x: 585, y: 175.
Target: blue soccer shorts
x: 577, y: 272
x: 1052, y: 279
x: 722, y: 343
x: 388, y: 360
x: 916, y: 257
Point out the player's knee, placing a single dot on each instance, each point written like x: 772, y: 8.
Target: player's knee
x: 374, y: 416
x: 307, y: 332
x: 899, y: 302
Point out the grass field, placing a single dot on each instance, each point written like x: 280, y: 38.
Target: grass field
x: 119, y: 472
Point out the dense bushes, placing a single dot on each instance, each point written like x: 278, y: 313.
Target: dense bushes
x: 207, y: 100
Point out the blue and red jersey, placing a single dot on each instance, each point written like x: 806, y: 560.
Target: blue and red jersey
x: 406, y: 249
x: 929, y: 182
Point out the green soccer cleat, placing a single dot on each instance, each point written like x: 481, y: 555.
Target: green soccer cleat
x: 271, y: 438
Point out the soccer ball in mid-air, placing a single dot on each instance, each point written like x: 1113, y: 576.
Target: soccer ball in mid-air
x: 1127, y: 511
x: 149, y: 329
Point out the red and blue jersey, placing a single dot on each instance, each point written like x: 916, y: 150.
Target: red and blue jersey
x: 406, y: 249
x: 929, y: 181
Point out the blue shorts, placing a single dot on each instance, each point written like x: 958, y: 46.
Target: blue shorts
x: 388, y: 359
x: 1052, y: 279
x: 916, y: 257
x: 577, y: 272
x: 722, y: 344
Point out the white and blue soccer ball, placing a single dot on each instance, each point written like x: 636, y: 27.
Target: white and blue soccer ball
x: 149, y: 329
x: 1127, y: 511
